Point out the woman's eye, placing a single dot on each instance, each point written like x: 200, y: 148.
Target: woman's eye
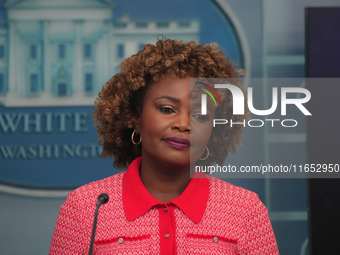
x: 200, y: 117
x: 167, y: 110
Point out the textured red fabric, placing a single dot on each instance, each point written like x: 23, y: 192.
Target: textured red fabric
x: 234, y: 221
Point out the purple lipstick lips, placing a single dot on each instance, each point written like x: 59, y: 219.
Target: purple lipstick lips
x: 178, y: 143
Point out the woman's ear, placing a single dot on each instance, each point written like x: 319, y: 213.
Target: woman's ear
x: 138, y: 125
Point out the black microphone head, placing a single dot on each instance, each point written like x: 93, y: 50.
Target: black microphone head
x: 103, y: 199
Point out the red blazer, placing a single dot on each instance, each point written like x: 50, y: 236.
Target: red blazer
x: 210, y: 217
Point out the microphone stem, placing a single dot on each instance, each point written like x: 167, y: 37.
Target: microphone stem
x: 94, y: 228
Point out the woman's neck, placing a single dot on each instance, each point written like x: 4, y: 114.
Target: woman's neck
x: 164, y: 181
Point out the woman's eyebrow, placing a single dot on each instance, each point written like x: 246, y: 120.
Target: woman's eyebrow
x: 169, y: 98
x: 196, y: 104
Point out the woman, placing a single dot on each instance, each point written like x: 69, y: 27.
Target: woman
x: 144, y: 120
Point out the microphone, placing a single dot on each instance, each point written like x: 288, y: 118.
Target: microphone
x: 102, y: 199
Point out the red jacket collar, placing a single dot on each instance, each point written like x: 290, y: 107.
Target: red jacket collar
x: 137, y: 200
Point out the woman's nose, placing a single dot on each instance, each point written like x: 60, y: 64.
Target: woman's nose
x: 182, y: 122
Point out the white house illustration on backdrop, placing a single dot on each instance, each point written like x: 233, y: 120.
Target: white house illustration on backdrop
x: 61, y: 52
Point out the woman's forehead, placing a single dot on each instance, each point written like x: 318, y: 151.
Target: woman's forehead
x: 174, y: 87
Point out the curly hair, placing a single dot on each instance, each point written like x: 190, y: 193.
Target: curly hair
x: 119, y: 103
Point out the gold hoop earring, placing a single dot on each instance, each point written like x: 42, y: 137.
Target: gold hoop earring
x: 208, y: 153
x: 133, y: 138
